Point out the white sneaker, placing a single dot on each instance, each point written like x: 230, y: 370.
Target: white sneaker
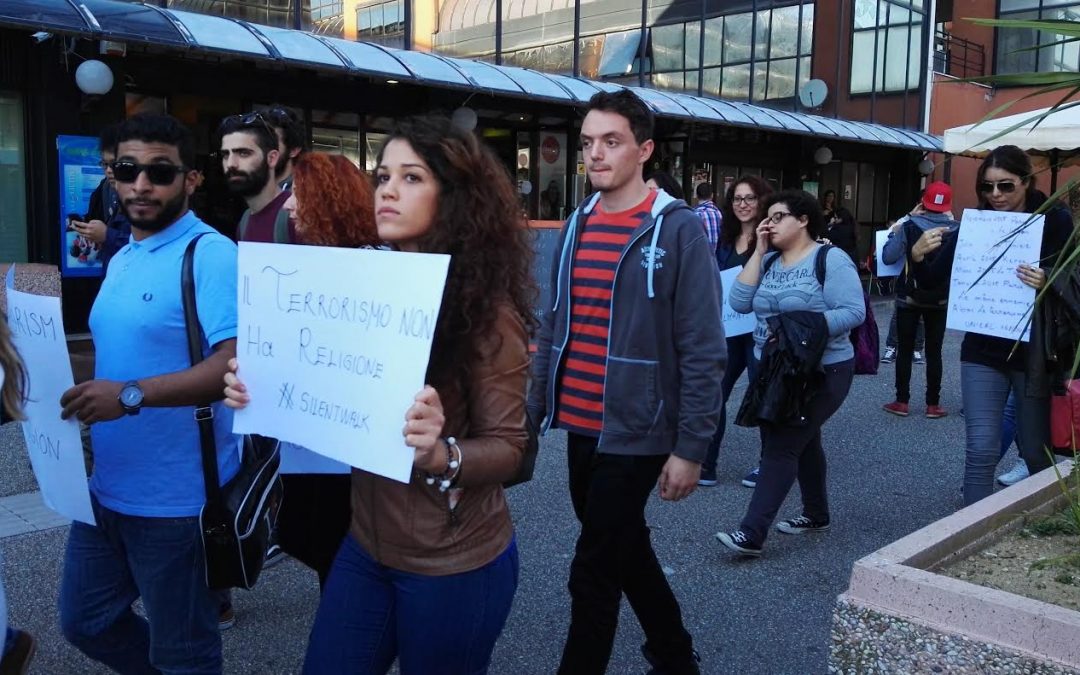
x: 1014, y: 475
x: 890, y: 355
x: 917, y: 357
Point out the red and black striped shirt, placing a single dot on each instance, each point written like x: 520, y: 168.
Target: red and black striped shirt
x: 581, y: 390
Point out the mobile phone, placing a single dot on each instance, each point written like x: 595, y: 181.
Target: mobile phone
x: 71, y: 217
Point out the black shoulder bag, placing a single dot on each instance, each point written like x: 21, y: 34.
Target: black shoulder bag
x: 237, y: 519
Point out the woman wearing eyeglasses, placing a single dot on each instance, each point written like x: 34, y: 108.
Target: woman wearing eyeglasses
x: 987, y: 371
x: 742, y: 212
x: 774, y: 283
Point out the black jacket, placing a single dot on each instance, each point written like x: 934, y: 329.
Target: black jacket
x: 789, y: 370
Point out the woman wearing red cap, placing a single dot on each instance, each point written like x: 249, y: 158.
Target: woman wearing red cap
x: 915, y: 301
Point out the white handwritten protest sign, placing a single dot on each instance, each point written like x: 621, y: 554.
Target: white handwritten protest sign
x: 734, y: 322
x: 993, y: 302
x: 885, y: 269
x: 333, y: 346
x: 55, y: 446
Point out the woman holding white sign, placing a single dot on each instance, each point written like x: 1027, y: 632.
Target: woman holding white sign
x: 989, y: 365
x: 428, y: 572
x: 743, y: 209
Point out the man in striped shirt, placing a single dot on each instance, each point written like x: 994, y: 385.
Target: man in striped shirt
x: 629, y: 362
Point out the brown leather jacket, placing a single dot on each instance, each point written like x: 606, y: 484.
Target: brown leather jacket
x: 411, y: 527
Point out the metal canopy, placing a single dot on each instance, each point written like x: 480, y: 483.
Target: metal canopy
x: 134, y: 22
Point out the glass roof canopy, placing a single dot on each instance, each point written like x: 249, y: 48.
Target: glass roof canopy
x: 141, y: 23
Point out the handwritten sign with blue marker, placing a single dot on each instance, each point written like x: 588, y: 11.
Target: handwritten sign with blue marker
x: 54, y: 445
x: 333, y: 346
x: 984, y: 294
x: 734, y: 322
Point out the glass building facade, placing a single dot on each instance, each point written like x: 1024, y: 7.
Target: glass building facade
x: 1015, y: 48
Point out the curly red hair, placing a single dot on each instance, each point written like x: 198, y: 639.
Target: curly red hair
x: 335, y: 202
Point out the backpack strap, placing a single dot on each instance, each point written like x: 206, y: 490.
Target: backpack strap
x: 768, y: 264
x: 281, y: 227
x: 241, y: 229
x: 821, y: 263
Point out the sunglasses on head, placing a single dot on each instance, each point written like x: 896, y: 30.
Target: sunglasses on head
x: 251, y: 119
x: 158, y: 174
x: 1003, y: 186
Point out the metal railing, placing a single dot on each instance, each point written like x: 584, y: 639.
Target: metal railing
x: 958, y: 57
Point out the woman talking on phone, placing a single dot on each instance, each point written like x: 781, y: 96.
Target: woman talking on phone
x: 990, y: 366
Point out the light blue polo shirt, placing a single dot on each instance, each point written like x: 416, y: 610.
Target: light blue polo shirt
x: 150, y: 464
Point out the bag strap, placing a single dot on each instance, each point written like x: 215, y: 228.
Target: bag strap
x: 821, y: 266
x: 241, y: 229
x: 204, y: 415
x: 281, y: 227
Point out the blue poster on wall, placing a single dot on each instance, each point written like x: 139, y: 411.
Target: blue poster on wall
x: 80, y: 175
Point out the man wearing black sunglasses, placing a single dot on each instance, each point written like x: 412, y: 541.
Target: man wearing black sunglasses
x: 147, y: 485
x: 249, y: 153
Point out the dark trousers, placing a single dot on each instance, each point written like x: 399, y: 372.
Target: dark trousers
x: 890, y: 339
x: 789, y: 452
x: 740, y: 351
x: 314, y: 518
x: 614, y: 556
x: 907, y: 320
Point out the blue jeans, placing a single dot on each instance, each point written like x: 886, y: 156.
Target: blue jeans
x: 986, y: 391
x: 124, y: 557
x: 1008, y: 424
x: 740, y: 353
x: 371, y: 614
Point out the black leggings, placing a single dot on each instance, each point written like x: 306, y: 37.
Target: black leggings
x: 907, y: 319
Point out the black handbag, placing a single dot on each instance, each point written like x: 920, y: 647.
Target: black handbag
x: 238, y: 517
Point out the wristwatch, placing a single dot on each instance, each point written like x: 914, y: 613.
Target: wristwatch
x: 131, y: 398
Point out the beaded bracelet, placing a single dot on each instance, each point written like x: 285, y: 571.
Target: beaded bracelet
x: 447, y: 479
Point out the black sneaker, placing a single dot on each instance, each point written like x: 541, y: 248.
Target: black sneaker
x: 708, y: 478
x: 750, y: 480
x: 801, y: 525
x: 738, y: 541
x: 658, y: 668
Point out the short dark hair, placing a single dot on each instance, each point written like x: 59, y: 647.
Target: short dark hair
x: 624, y: 102
x: 107, y: 138
x: 293, y: 130
x: 154, y: 128
x: 801, y: 203
x: 256, y: 124
x: 666, y: 182
x: 704, y: 190
x: 1007, y: 158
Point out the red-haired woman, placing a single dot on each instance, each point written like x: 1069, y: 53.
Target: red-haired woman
x: 331, y: 205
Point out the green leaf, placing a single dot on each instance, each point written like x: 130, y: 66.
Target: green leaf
x: 1067, y: 28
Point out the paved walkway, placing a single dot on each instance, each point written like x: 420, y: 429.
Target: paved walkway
x: 26, y: 513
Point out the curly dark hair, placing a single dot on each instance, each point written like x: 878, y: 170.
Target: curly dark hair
x: 335, y: 202
x: 481, y: 226
x: 801, y: 203
x: 730, y: 227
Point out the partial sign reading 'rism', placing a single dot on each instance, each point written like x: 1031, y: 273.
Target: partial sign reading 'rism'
x: 985, y: 295
x: 333, y: 347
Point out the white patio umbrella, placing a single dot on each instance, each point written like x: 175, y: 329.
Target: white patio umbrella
x: 1056, y: 135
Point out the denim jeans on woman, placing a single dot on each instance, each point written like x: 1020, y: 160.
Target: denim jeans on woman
x: 108, y: 566
x: 794, y: 451
x: 986, y: 391
x: 371, y: 614
x: 740, y: 350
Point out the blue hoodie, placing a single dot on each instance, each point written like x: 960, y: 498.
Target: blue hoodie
x: 666, y: 346
x: 900, y: 242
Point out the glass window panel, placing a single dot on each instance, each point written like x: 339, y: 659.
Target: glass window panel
x: 897, y: 15
x: 590, y: 51
x: 762, y: 29
x: 784, y: 40
x: 736, y: 82
x: 370, y: 59
x: 1014, y: 5
x: 215, y: 32
x: 862, y: 69
x: 902, y: 58
x: 866, y: 14
x: 714, y: 41
x: 299, y: 46
x: 36, y: 13
x: 535, y: 83
x: 12, y: 179
x: 487, y: 76
x: 127, y: 21
x: 337, y: 142
x: 1065, y: 57
x: 429, y: 67
x: 691, y: 81
x: 559, y: 58
x: 804, y: 71
x: 620, y: 51
x: 667, y: 48
x: 737, y: 31
x: 761, y: 80
x: 806, y: 45
x: 693, y: 46
x: 781, y: 79
x: 711, y: 85
x: 1012, y: 39
x: 581, y: 90
x: 668, y: 80
x: 375, y: 143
